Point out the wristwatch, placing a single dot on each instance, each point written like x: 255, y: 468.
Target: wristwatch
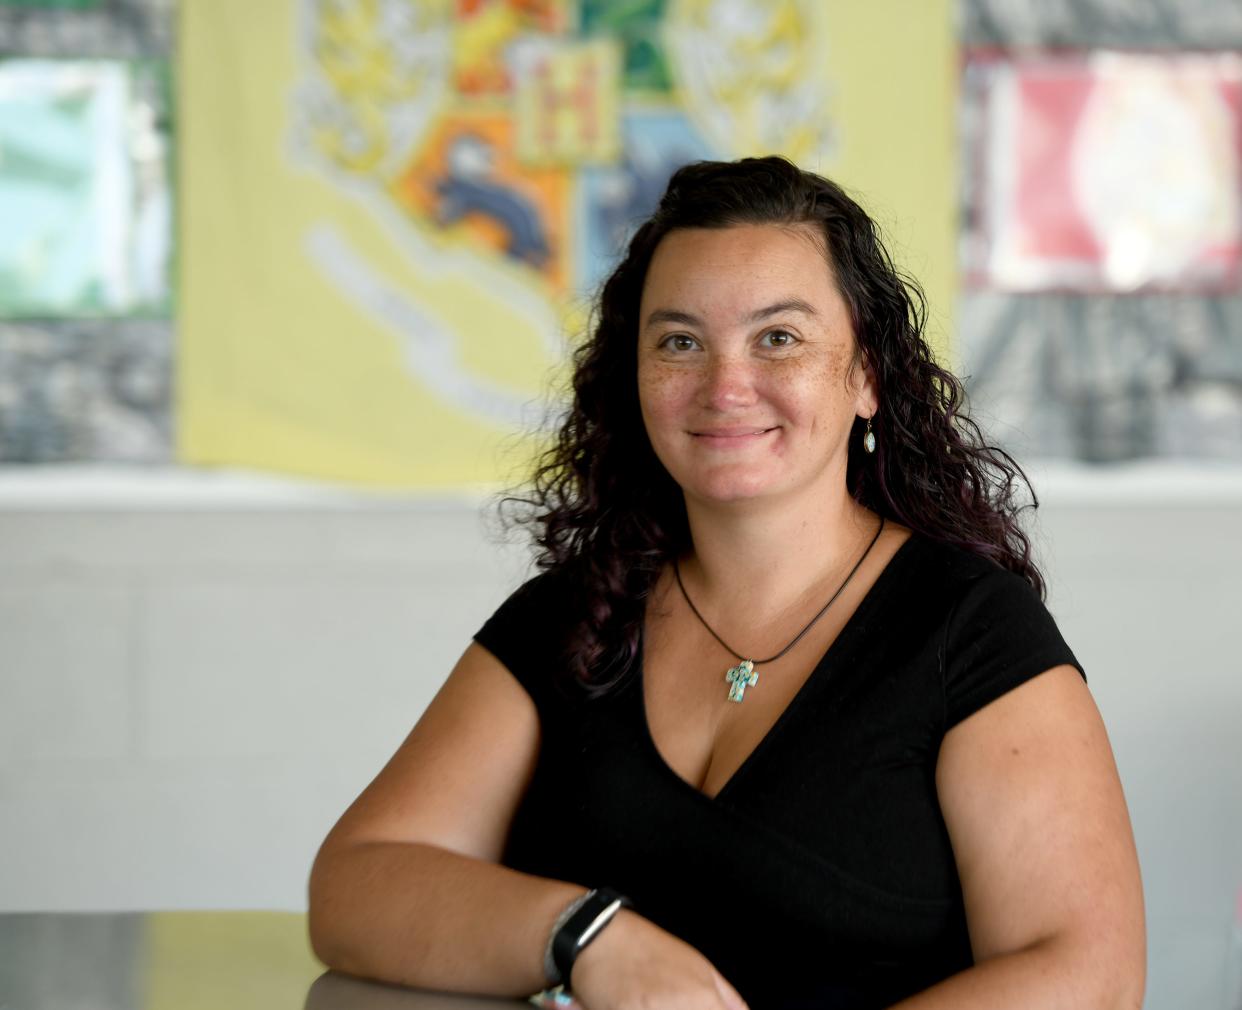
x: 581, y: 923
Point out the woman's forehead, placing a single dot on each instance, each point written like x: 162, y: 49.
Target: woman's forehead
x: 747, y: 267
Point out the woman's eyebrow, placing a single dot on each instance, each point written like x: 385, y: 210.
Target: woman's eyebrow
x: 788, y: 305
x: 775, y: 309
x: 670, y: 316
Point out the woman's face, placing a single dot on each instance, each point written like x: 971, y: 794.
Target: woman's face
x: 745, y: 354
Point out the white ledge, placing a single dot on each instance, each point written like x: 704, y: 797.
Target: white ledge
x: 118, y: 487
x: 114, y: 487
x: 1146, y: 483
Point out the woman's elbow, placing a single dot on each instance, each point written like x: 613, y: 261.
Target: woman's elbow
x: 1129, y: 987
x: 323, y: 918
x: 1118, y: 972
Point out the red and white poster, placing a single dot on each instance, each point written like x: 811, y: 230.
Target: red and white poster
x: 1105, y: 171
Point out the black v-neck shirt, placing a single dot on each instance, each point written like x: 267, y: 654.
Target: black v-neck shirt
x: 821, y: 874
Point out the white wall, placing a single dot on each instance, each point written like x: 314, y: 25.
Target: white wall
x: 199, y: 673
x: 191, y: 693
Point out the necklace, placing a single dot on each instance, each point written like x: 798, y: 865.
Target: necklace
x: 744, y: 675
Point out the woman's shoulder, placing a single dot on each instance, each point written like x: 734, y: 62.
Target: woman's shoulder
x: 996, y: 630
x: 543, y: 596
x: 954, y: 566
x: 541, y: 585
x: 527, y: 631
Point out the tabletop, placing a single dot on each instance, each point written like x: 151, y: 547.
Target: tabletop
x: 187, y: 961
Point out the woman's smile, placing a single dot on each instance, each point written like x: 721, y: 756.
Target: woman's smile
x: 733, y: 438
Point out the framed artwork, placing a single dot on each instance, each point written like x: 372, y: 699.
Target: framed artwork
x: 1104, y: 172
x: 85, y: 192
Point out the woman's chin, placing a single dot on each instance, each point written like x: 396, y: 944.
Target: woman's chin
x: 725, y: 489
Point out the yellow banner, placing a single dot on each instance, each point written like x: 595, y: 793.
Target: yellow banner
x: 393, y: 212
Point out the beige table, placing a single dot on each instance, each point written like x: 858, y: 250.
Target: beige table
x: 186, y: 961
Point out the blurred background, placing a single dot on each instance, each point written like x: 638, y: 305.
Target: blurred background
x: 286, y: 292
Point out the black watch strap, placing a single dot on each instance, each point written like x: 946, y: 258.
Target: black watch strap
x: 584, y: 926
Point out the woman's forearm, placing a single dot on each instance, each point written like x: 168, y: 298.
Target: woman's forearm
x: 1055, y: 973
x: 424, y: 916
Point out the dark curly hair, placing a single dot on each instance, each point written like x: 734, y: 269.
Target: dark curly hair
x: 607, y: 515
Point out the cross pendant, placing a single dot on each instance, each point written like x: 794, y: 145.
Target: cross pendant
x: 741, y: 677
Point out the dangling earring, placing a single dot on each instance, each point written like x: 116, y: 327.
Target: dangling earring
x: 869, y: 438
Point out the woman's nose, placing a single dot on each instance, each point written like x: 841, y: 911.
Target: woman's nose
x: 728, y: 382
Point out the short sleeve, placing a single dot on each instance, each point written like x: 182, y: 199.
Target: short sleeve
x: 999, y: 636
x: 527, y: 634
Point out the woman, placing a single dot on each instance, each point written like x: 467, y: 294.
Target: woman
x: 786, y: 682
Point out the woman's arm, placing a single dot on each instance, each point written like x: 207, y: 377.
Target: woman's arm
x: 1046, y: 857
x: 407, y: 887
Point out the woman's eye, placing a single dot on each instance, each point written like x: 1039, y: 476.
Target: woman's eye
x: 679, y: 342
x: 778, y: 338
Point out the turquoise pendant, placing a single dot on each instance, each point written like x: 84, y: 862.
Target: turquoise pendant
x: 741, y: 677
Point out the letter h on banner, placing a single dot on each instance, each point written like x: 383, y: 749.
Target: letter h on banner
x: 567, y: 103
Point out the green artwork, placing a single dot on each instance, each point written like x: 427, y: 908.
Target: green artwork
x: 636, y: 24
x: 84, y: 192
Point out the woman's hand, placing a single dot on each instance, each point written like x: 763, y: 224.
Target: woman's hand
x: 635, y: 964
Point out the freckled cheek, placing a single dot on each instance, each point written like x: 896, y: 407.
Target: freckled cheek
x: 664, y: 393
x: 810, y: 386
x: 809, y: 394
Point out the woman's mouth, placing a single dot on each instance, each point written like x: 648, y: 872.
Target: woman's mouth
x: 729, y: 437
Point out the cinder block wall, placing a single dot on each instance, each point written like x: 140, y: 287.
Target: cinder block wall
x: 191, y: 691
x: 189, y: 696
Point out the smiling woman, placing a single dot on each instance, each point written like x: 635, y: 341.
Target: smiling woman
x: 748, y: 370
x: 784, y: 721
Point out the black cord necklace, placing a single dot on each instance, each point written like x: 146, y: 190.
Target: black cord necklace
x: 744, y: 675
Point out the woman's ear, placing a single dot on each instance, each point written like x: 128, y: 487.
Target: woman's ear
x: 865, y: 385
